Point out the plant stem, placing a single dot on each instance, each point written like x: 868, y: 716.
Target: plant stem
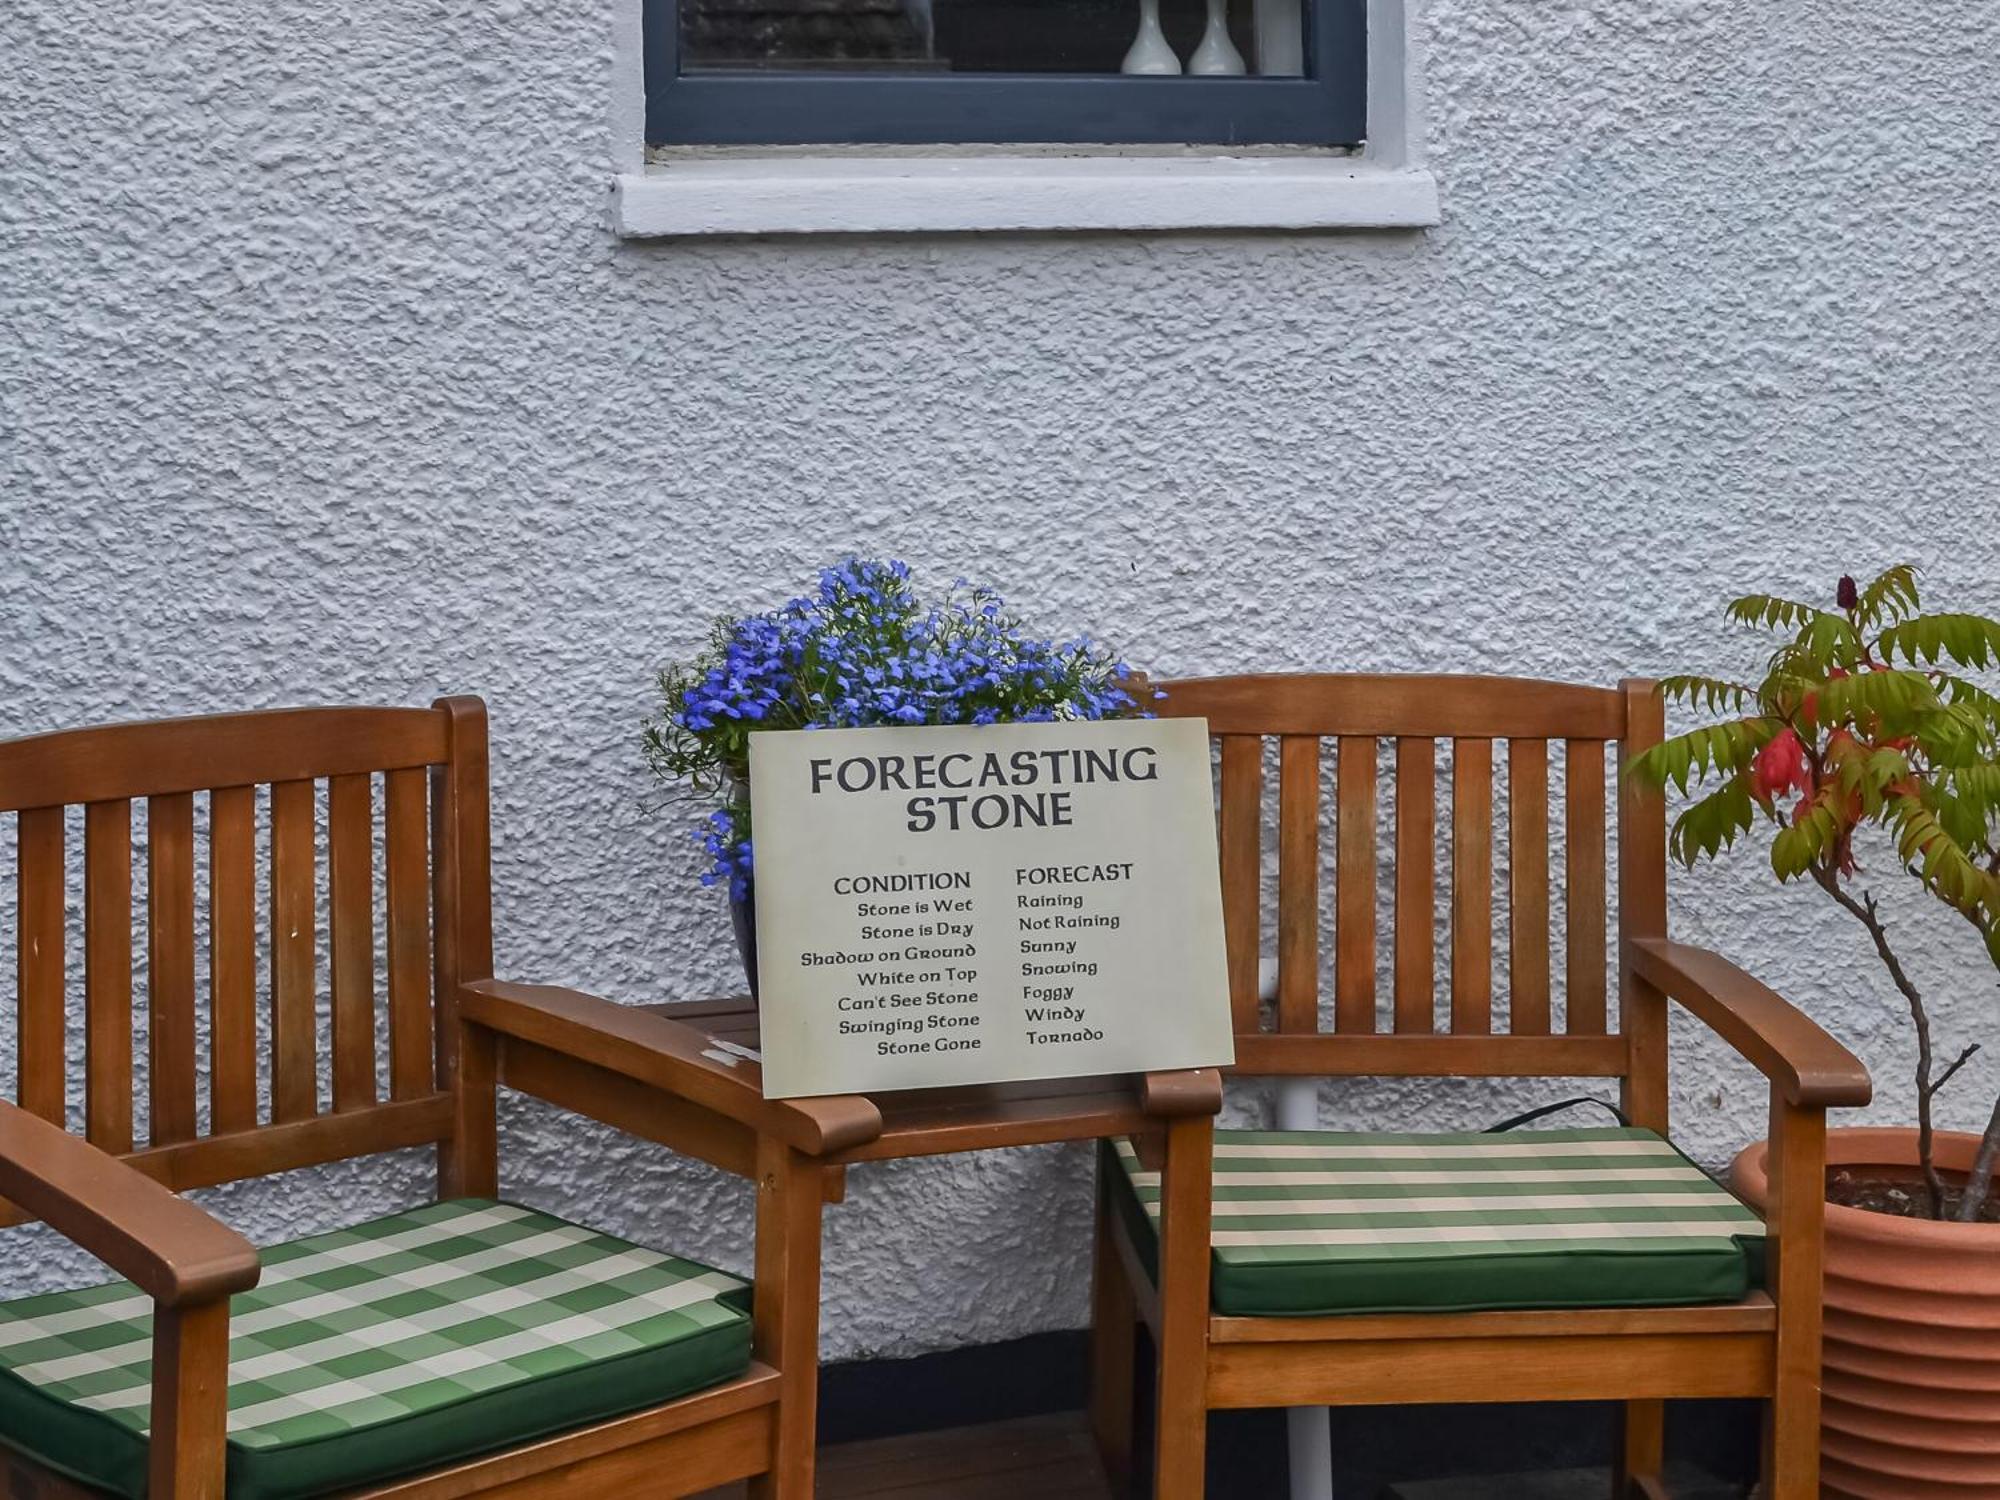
x: 1980, y: 1182
x: 1864, y: 911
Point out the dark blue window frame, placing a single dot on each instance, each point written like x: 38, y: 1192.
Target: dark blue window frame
x: 1327, y: 107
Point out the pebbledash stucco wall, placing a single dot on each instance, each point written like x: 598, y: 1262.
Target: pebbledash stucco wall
x: 322, y: 379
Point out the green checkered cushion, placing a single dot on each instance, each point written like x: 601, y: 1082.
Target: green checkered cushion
x: 1331, y: 1222
x: 404, y: 1343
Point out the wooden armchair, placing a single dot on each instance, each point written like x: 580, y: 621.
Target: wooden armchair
x: 467, y: 1347
x: 1328, y: 1268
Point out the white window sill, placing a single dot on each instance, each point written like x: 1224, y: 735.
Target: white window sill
x: 948, y: 194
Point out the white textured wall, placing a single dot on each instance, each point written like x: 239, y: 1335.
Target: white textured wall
x: 322, y: 380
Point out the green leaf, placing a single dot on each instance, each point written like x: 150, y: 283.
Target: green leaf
x: 1954, y: 736
x: 1892, y: 700
x: 1816, y: 651
x: 1810, y: 837
x: 1959, y: 818
x: 1966, y: 800
x: 1821, y: 638
x: 1714, y: 748
x: 1938, y: 859
x: 1714, y: 823
x: 1864, y: 775
x: 1978, y: 786
x: 1793, y: 850
x: 1890, y: 597
x: 1975, y: 699
x: 1770, y: 612
x: 1785, y: 688
x: 1969, y: 640
x: 1716, y: 693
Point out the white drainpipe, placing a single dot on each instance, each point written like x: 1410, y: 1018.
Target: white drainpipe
x: 1307, y: 1428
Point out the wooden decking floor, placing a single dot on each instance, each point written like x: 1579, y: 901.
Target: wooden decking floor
x: 1046, y: 1458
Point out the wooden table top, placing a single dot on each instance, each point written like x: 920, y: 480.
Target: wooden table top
x: 970, y: 1117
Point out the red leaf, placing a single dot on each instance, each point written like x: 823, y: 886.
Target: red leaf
x: 1780, y: 766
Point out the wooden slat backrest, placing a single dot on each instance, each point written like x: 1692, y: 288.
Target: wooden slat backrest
x: 1642, y: 910
x: 107, y: 927
x: 209, y: 783
x: 294, y: 945
x: 39, y: 1036
x: 1416, y: 895
x: 170, y: 1030
x: 1239, y: 825
x: 1298, y: 885
x: 350, y: 831
x: 1385, y: 1015
x: 460, y: 873
x: 1528, y: 886
x: 1584, y: 963
x: 232, y: 958
x: 1471, y: 886
x: 406, y: 851
x: 1354, y: 961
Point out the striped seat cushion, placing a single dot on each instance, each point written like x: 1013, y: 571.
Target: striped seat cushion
x: 405, y: 1343
x: 1329, y: 1222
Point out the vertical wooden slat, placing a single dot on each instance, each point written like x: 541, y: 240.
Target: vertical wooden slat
x: 405, y: 855
x: 1642, y: 907
x: 473, y: 1168
x: 1298, y: 883
x: 1241, y: 815
x: 444, y: 939
x: 462, y: 883
x: 107, y: 968
x: 1528, y: 886
x: 351, y: 892
x: 232, y: 959
x: 1584, y: 970
x: 1354, y: 960
x: 1472, y: 886
x: 1416, y: 835
x: 170, y: 1039
x: 294, y: 1052
x: 39, y: 1063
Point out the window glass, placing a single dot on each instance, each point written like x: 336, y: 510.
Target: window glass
x: 1104, y: 72
x: 939, y: 37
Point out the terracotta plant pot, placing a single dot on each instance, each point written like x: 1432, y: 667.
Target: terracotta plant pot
x: 1912, y: 1359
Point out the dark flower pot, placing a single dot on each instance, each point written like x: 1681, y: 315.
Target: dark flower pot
x: 743, y: 921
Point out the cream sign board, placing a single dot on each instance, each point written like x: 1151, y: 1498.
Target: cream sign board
x: 955, y: 905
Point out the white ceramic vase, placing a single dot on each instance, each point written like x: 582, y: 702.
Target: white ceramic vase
x: 1217, y: 55
x: 1149, y: 52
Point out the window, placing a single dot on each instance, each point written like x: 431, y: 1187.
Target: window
x: 1198, y: 72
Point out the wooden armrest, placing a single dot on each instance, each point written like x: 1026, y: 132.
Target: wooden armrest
x: 666, y: 1054
x: 1785, y: 1044
x: 174, y: 1251
x: 1188, y: 1091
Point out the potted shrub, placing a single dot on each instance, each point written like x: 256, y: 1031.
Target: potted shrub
x: 1871, y: 748
x: 864, y: 649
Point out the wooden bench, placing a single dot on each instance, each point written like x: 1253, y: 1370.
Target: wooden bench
x: 112, y: 1189
x: 1765, y: 1344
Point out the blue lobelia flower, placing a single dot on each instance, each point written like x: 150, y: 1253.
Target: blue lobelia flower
x: 861, y: 650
